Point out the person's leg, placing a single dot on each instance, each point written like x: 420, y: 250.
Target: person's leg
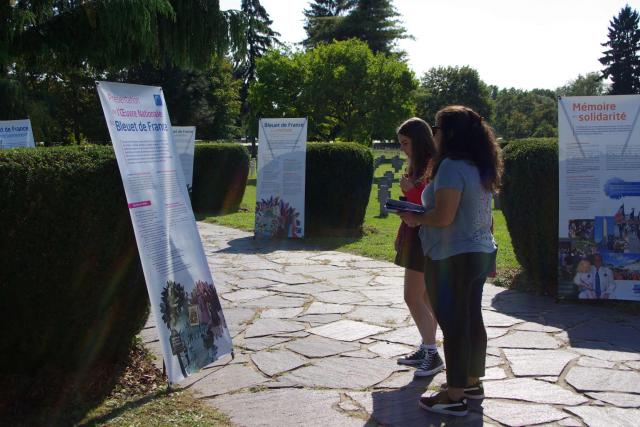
x: 415, y: 296
x: 478, y: 334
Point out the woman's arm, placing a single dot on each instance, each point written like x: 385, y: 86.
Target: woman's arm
x: 442, y: 215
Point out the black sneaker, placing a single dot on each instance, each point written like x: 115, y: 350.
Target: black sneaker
x: 431, y: 364
x: 442, y: 404
x: 414, y: 358
x: 471, y: 392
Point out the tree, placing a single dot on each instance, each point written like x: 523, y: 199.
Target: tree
x: 347, y: 92
x: 590, y: 84
x: 621, y: 59
x: 207, y: 99
x: 323, y: 21
x: 524, y: 114
x: 372, y: 21
x: 375, y: 22
x: 259, y: 38
x: 452, y: 85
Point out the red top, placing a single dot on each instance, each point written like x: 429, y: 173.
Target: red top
x: 415, y: 194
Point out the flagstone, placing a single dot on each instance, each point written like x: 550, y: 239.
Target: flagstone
x: 275, y: 362
x: 257, y: 344
x: 606, y: 416
x: 379, y: 315
x: 281, y: 313
x: 536, y: 327
x: 531, y: 391
x: 496, y: 332
x: 246, y: 295
x: 495, y: 373
x: 324, y: 308
x: 389, y: 296
x: 343, y: 373
x: 407, y: 335
x: 305, y: 288
x: 598, y: 379
x: 621, y: 400
x: 523, y: 339
x: 538, y: 362
x: 607, y: 353
x: 389, y: 350
x: 283, y: 408
x: 520, y: 414
x: 495, y: 319
x: 340, y: 297
x: 276, y: 301
x: 319, y: 319
x: 362, y: 354
x: 254, y: 283
x: 347, y: 330
x: 290, y: 279
x: 315, y: 346
x: 263, y: 327
x: 237, y: 319
x: 591, y: 362
x: 228, y: 379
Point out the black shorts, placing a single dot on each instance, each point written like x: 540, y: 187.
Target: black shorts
x: 410, y: 253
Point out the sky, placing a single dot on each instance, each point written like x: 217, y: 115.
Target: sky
x: 524, y: 44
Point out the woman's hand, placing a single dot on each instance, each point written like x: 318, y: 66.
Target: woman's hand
x: 405, y: 183
x: 409, y: 218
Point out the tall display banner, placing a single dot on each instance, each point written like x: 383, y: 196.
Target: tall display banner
x: 599, y: 224
x: 184, y: 139
x: 16, y: 134
x: 189, y: 319
x: 282, y: 151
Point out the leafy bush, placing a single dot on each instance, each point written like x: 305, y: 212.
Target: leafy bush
x: 220, y: 172
x: 338, y: 183
x: 530, y: 206
x: 72, y: 293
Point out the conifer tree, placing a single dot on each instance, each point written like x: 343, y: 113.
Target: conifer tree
x: 324, y: 20
x: 621, y: 60
x: 259, y: 38
x: 375, y: 22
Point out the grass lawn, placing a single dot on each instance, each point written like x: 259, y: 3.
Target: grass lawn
x: 379, y: 233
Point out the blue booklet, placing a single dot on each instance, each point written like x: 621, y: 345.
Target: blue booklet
x: 403, y: 206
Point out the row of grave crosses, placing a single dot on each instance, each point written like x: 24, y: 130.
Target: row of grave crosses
x: 385, y: 182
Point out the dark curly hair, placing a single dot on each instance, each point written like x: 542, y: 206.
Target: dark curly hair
x: 466, y: 136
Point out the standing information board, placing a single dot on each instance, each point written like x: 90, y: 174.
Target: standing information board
x: 184, y: 139
x: 189, y: 318
x: 599, y: 199
x: 282, y: 151
x: 16, y: 134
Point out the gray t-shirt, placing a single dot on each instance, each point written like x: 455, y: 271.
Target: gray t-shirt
x: 470, y: 230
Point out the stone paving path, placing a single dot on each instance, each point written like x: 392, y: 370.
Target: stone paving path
x: 317, y: 334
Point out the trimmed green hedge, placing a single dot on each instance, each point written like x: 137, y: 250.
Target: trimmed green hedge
x: 530, y: 206
x: 220, y: 172
x: 338, y: 184
x: 72, y: 293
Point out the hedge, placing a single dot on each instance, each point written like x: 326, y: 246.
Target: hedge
x: 220, y: 172
x: 72, y: 293
x: 338, y: 184
x: 530, y: 206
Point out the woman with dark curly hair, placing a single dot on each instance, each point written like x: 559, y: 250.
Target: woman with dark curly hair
x: 459, y: 248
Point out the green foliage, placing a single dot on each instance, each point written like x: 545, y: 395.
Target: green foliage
x: 524, y: 114
x: 72, y: 293
x: 590, y: 84
x: 338, y: 183
x: 109, y: 34
x: 207, y: 99
x: 444, y: 86
x: 219, y: 177
x: 259, y: 38
x: 371, y: 21
x: 621, y: 59
x: 530, y: 206
x: 346, y: 91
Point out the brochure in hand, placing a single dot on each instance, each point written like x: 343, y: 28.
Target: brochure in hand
x: 402, y: 206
